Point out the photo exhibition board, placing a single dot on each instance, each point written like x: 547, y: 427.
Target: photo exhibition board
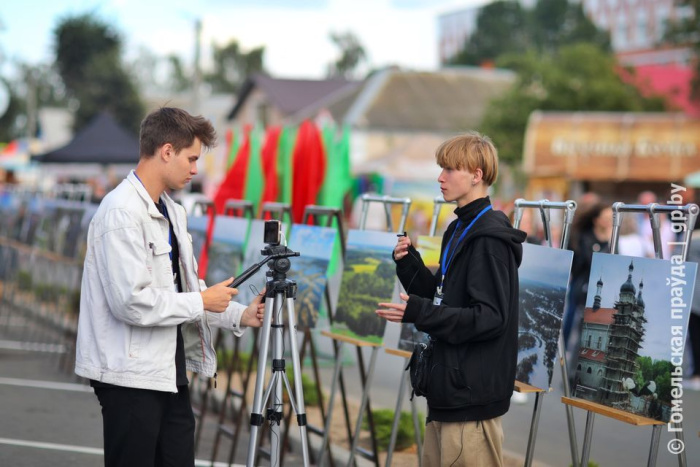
x: 633, y: 330
x: 253, y: 255
x: 315, y: 245
x: 369, y: 277
x: 197, y: 228
x: 226, y: 248
x: 544, y: 279
x: 429, y: 249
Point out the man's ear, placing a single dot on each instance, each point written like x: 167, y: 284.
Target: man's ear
x: 166, y: 152
x: 478, y: 175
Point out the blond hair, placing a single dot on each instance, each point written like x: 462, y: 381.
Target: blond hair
x: 470, y: 151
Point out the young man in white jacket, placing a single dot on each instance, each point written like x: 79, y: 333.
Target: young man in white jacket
x: 145, y: 317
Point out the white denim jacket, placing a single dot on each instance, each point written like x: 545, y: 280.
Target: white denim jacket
x: 129, y: 308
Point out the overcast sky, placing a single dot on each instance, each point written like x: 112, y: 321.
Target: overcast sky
x: 295, y: 33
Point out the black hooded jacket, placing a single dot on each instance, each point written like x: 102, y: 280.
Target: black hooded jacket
x: 475, y: 329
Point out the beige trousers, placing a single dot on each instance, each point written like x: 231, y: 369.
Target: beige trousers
x: 463, y: 444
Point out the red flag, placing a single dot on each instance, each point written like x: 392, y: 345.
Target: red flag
x: 233, y: 185
x: 269, y: 164
x: 204, y: 256
x: 309, y: 169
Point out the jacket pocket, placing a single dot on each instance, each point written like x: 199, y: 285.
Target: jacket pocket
x: 448, y: 387
x: 161, y: 265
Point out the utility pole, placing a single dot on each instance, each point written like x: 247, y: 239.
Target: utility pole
x: 197, y: 77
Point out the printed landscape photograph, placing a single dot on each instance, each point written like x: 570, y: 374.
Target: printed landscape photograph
x: 544, y: 278
x: 626, y: 337
x: 369, y: 277
x: 226, y: 248
x: 310, y: 269
x: 429, y: 249
x: 253, y: 255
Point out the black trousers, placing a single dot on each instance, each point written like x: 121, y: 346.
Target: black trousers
x: 144, y: 428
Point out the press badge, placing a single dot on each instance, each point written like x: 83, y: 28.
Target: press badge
x: 437, y: 299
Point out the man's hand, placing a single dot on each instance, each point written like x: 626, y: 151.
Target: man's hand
x: 393, y: 311
x: 253, y: 315
x: 217, y: 297
x: 401, y: 249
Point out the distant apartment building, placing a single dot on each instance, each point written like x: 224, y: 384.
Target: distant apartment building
x: 636, y: 29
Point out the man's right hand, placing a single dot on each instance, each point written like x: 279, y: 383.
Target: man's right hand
x: 217, y: 297
x: 401, y: 249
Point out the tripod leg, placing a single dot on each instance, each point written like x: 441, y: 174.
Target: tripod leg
x: 275, y: 412
x: 298, y: 388
x: 256, y: 417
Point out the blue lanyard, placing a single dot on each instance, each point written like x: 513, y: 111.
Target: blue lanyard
x: 165, y: 214
x: 446, y: 260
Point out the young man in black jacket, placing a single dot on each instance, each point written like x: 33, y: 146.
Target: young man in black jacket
x: 469, y: 308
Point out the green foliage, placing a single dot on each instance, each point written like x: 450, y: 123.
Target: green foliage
x: 223, y: 358
x: 579, y: 77
x: 24, y: 280
x: 88, y: 59
x: 308, y: 387
x: 506, y: 27
x: 501, y: 27
x: 232, y: 66
x: 658, y: 371
x: 590, y: 464
x: 383, y: 420
x: 352, y: 53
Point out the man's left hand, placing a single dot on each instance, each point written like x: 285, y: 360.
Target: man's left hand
x: 253, y: 315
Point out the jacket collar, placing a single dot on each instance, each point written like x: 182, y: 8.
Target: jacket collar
x: 468, y: 212
x: 141, y: 190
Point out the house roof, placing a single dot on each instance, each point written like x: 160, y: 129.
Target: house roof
x: 101, y: 141
x: 592, y: 354
x: 600, y: 316
x: 290, y: 95
x: 449, y: 100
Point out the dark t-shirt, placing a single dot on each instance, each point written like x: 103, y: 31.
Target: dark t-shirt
x: 180, y: 367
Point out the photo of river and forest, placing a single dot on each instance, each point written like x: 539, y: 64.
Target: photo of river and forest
x: 369, y: 277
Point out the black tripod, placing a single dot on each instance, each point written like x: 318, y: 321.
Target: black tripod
x: 280, y: 293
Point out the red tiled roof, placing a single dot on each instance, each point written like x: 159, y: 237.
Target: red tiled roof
x: 601, y: 316
x: 592, y: 354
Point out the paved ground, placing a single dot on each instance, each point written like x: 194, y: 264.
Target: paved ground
x: 50, y: 418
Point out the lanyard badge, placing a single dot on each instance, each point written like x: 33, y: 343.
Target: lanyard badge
x: 447, y: 257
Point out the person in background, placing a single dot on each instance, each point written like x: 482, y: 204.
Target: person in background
x: 590, y: 233
x: 469, y: 308
x: 145, y: 317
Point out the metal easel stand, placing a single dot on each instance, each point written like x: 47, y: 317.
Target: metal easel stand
x: 204, y: 207
x: 690, y: 214
x: 544, y: 207
x: 366, y: 374
x: 437, y: 207
x: 243, y: 209
x: 315, y: 215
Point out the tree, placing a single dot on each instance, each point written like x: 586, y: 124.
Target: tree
x: 501, y: 27
x: 178, y: 80
x: 506, y: 27
x: 557, y: 22
x: 232, y: 66
x: 686, y: 31
x: 88, y: 59
x: 352, y: 53
x: 580, y: 77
